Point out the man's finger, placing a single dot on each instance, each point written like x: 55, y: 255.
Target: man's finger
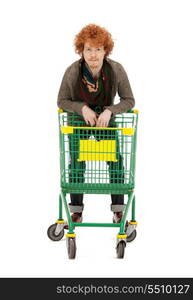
x: 86, y: 121
x: 95, y: 119
x: 100, y: 124
x: 92, y: 121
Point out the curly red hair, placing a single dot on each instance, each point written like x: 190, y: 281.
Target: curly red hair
x: 96, y: 36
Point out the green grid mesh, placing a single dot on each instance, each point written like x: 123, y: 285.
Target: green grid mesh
x: 111, y: 176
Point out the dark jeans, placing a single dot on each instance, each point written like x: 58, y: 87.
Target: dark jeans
x: 77, y: 168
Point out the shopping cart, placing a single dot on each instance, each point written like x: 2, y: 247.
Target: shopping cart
x: 96, y: 160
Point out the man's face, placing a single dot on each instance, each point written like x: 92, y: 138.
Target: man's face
x: 93, y: 55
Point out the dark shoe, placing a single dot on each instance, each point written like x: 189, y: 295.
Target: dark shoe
x: 76, y: 217
x: 117, y: 217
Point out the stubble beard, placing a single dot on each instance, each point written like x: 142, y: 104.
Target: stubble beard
x: 95, y: 67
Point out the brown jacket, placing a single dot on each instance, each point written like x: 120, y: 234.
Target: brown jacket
x: 67, y: 97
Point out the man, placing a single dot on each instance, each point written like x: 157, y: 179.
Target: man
x: 88, y: 88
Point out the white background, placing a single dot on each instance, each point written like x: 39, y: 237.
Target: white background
x: 153, y: 41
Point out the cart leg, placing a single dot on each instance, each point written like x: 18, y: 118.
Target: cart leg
x: 133, y: 223
x: 70, y: 223
x: 60, y: 208
x: 61, y: 224
x: 123, y: 221
x: 131, y: 226
x: 133, y: 210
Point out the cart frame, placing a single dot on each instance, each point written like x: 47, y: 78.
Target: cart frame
x: 125, y: 228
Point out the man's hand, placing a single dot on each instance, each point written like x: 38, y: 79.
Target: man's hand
x: 89, y: 115
x: 104, y: 118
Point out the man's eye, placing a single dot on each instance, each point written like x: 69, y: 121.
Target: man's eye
x: 99, y: 49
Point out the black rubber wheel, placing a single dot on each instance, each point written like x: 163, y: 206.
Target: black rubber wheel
x: 51, y: 233
x: 132, y: 236
x: 71, y: 248
x: 121, y: 249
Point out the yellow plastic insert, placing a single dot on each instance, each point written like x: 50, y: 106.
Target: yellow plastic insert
x: 133, y: 223
x: 104, y: 150
x: 128, y: 131
x: 68, y: 129
x: 136, y: 111
x: 70, y: 235
x: 121, y: 236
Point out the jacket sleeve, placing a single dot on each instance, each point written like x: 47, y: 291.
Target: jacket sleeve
x: 127, y: 100
x: 65, y: 101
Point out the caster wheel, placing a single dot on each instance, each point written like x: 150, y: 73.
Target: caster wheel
x: 71, y: 247
x: 132, y: 236
x: 121, y: 249
x: 52, y: 235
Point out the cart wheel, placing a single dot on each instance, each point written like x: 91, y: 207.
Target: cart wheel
x: 71, y: 245
x: 121, y: 249
x: 132, y: 236
x: 51, y: 233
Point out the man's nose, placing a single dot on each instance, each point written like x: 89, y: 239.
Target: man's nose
x: 93, y: 53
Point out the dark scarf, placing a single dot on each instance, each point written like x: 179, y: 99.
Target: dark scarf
x: 95, y: 92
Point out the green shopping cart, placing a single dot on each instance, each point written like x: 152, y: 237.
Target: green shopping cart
x: 96, y: 160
